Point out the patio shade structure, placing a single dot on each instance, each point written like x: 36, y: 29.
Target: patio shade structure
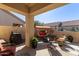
x: 30, y: 10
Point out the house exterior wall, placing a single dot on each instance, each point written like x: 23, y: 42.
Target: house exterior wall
x: 6, y: 24
x: 7, y: 19
x: 5, y: 32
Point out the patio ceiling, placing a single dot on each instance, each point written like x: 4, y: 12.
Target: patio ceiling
x: 32, y: 8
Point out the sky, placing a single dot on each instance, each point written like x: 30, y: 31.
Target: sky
x: 65, y: 13
x: 19, y: 15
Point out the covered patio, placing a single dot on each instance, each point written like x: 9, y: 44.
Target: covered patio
x: 29, y: 10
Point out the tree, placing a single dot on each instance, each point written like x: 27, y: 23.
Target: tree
x: 60, y: 24
x: 60, y: 28
x: 38, y: 23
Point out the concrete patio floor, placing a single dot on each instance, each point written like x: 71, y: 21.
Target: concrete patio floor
x: 70, y: 49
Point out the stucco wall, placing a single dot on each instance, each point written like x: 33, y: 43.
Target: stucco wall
x: 74, y: 34
x: 5, y: 32
x: 7, y: 18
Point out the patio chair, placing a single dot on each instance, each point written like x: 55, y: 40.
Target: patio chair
x: 8, y: 50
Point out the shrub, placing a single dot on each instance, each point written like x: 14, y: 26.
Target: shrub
x: 54, y: 37
x: 33, y: 42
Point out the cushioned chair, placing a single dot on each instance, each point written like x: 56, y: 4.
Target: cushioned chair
x: 9, y: 51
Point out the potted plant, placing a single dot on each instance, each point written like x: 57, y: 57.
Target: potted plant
x: 61, y: 40
x: 34, y: 42
x: 61, y: 43
x: 52, y: 37
x: 42, y: 32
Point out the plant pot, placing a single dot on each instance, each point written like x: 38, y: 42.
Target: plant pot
x: 34, y: 46
x: 60, y: 43
x: 34, y: 42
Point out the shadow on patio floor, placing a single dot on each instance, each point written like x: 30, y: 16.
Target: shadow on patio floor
x: 54, y: 52
x: 67, y: 46
x: 26, y: 52
x: 41, y: 46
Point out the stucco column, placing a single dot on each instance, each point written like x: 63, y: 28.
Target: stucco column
x: 29, y: 29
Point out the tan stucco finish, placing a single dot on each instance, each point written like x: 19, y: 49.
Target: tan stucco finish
x: 75, y: 35
x: 5, y: 32
x: 29, y: 29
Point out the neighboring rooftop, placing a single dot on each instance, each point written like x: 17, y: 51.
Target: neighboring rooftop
x: 66, y: 23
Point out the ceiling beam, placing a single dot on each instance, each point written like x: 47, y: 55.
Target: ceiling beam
x: 19, y: 8
x: 38, y: 6
x: 30, y: 4
x: 47, y: 8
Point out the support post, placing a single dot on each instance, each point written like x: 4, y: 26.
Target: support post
x: 29, y: 29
